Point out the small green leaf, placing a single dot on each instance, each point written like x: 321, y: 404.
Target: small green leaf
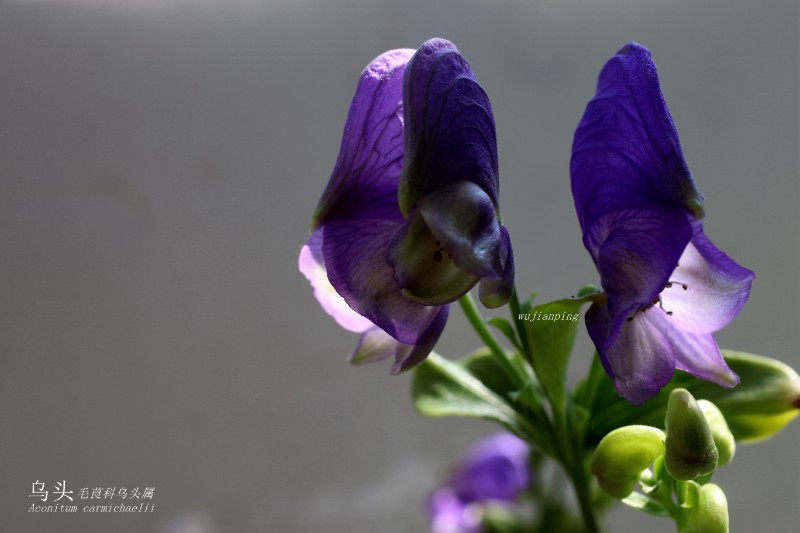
x: 550, y: 329
x: 482, y: 365
x: 444, y: 388
x: 644, y: 503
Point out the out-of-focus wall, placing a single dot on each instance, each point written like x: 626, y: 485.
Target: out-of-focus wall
x: 159, y: 163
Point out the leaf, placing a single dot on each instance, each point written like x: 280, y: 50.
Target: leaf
x: 445, y: 388
x: 482, y: 365
x: 550, y: 329
x: 639, y: 501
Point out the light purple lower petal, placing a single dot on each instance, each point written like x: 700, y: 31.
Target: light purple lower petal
x: 716, y: 287
x: 312, y: 265
x: 641, y: 359
x: 697, y: 354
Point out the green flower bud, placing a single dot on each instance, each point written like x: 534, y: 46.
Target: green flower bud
x: 623, y: 455
x: 723, y: 438
x: 710, y: 515
x: 765, y: 401
x: 690, y: 451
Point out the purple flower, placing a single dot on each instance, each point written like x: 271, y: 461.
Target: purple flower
x: 449, y: 514
x: 668, y: 287
x: 408, y: 221
x: 495, y: 470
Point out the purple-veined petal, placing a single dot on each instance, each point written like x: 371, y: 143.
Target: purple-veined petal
x: 495, y: 292
x: 697, y: 354
x: 355, y: 257
x: 626, y: 153
x: 450, y: 133
x: 365, y: 179
x: 407, y: 357
x: 641, y: 359
x: 636, y: 251
x: 312, y: 265
x: 716, y: 288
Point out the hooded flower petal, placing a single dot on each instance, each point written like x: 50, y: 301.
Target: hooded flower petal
x: 396, y: 269
x: 626, y: 153
x: 450, y: 134
x: 449, y: 186
x: 668, y: 287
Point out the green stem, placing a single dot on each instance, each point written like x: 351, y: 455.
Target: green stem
x: 571, y: 457
x: 515, y: 309
x: 475, y: 318
x: 581, y: 482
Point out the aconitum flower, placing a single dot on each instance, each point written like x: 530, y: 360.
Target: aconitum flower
x: 668, y: 287
x: 409, y: 219
x: 494, y: 471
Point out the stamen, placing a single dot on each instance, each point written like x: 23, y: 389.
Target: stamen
x: 670, y: 283
x: 657, y: 300
x: 669, y: 313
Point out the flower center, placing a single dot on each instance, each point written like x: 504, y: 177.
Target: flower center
x: 437, y: 254
x: 657, y: 300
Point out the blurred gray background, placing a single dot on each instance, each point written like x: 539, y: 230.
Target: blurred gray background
x: 159, y: 164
